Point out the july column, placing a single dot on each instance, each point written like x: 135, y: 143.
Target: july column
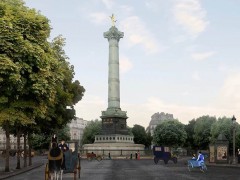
x: 113, y: 36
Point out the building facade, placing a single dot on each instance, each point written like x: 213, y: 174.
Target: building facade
x: 156, y: 119
x: 76, y: 128
x: 13, y: 140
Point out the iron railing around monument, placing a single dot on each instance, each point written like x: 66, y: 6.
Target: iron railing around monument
x: 117, y: 153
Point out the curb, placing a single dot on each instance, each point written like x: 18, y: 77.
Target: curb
x: 20, y: 171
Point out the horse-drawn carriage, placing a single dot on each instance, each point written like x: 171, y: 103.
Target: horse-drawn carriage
x: 62, y: 162
x: 163, y: 153
x: 91, y: 156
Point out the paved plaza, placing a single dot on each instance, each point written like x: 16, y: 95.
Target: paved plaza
x: 126, y: 169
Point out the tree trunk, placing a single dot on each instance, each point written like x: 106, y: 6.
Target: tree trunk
x: 18, y: 150
x: 7, y: 169
x: 29, y: 150
x: 25, y: 151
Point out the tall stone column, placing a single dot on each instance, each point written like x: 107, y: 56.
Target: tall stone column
x: 113, y: 119
x: 113, y: 36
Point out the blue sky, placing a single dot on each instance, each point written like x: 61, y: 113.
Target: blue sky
x: 177, y: 56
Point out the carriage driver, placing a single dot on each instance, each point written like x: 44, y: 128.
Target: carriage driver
x: 63, y: 146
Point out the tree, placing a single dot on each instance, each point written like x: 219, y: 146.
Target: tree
x: 68, y: 93
x: 36, y: 81
x: 26, y: 66
x: 189, y: 128
x: 221, y: 126
x: 40, y: 141
x: 224, y: 126
x: 140, y: 135
x: 202, y: 129
x: 170, y: 133
x: 92, y: 129
x: 148, y: 140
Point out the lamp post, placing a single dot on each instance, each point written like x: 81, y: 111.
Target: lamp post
x: 234, y: 121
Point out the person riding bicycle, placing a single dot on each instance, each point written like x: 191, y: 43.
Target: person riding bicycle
x: 200, y: 158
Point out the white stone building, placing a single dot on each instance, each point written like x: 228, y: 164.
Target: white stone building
x: 76, y: 128
x: 156, y: 119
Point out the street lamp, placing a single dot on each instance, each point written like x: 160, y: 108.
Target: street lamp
x: 234, y: 121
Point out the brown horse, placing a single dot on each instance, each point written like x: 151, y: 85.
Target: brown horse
x: 55, y: 160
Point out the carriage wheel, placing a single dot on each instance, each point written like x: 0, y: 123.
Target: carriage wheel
x: 47, y: 174
x: 78, y: 168
x: 156, y: 160
x: 190, y: 166
x: 165, y: 161
x: 203, y: 167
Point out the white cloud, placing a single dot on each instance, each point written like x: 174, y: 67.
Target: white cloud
x: 108, y: 3
x: 202, y: 56
x: 138, y: 34
x: 90, y: 107
x: 191, y: 16
x: 99, y: 17
x: 229, y: 96
x: 127, y: 10
x: 125, y: 64
x: 186, y: 113
x: 185, y: 93
x: 196, y: 76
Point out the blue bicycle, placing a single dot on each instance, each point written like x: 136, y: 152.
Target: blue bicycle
x: 195, y: 164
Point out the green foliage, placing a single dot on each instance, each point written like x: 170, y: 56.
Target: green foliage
x: 202, y: 130
x: 224, y: 126
x: 64, y: 134
x: 170, y: 133
x: 92, y: 129
x: 26, y: 62
x: 149, y: 139
x: 41, y: 141
x: 36, y: 81
x: 68, y: 93
x: 221, y: 126
x: 189, y: 128
x: 237, y: 135
x: 139, y: 134
x: 129, y: 129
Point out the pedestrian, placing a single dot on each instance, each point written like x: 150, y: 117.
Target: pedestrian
x: 138, y: 155
x: 238, y: 156
x: 194, y: 157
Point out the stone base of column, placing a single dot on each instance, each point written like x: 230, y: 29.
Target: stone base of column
x: 114, y: 121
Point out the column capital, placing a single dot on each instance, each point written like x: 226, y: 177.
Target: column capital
x: 113, y: 33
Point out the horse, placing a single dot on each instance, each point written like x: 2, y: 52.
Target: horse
x: 55, y: 161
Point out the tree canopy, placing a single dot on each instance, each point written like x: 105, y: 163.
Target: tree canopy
x: 140, y: 135
x: 36, y: 79
x: 202, y: 131
x: 93, y: 128
x: 170, y: 133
